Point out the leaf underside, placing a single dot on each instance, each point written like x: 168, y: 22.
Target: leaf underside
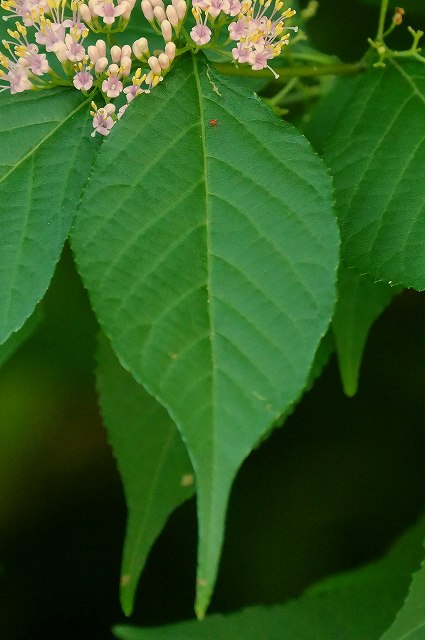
x: 210, y: 255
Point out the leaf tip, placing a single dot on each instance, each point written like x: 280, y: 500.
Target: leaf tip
x: 203, y: 597
x: 126, y: 595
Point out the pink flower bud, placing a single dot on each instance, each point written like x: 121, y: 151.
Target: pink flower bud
x: 61, y: 52
x: 167, y: 31
x: 114, y: 70
x: 181, y: 9
x: 93, y: 53
x: 172, y: 15
x: 170, y: 50
x: 140, y: 48
x: 101, y: 65
x: 85, y: 13
x: 127, y: 12
x: 101, y: 47
x: 157, y: 3
x: 126, y: 65
x: 154, y: 65
x: 126, y: 51
x: 147, y: 10
x: 159, y: 14
x: 115, y: 53
x: 164, y: 60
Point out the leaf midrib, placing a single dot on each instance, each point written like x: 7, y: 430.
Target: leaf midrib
x: 209, y: 287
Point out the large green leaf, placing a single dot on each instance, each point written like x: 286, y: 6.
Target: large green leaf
x: 154, y: 466
x: 360, y: 302
x: 357, y: 605
x: 410, y: 621
x: 46, y: 154
x: 376, y: 153
x: 209, y: 253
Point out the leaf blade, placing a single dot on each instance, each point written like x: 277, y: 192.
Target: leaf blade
x: 40, y: 186
x: 376, y: 153
x: 203, y: 324
x: 152, y: 460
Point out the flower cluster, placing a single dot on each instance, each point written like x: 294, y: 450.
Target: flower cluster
x: 58, y: 42
x: 260, y: 32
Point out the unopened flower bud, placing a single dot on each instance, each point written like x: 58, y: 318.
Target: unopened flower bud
x: 115, y: 53
x: 101, y: 65
x: 114, y: 69
x: 398, y: 16
x: 170, y: 50
x: 172, y: 15
x: 84, y: 13
x: 164, y: 60
x: 109, y: 108
x: 61, y: 52
x: 154, y: 65
x: 159, y: 14
x: 101, y: 47
x: 141, y: 48
x: 157, y: 3
x: 126, y: 51
x: 181, y: 9
x: 147, y: 10
x: 167, y: 31
x: 125, y: 65
x: 93, y: 53
x: 128, y: 9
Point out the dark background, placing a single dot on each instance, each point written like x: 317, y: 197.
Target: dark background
x: 329, y: 490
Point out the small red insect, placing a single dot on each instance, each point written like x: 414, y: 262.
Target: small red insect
x: 214, y: 122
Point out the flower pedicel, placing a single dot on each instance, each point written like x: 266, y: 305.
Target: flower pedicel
x: 49, y: 30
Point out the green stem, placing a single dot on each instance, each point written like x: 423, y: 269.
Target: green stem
x: 381, y: 23
x: 340, y: 69
x: 276, y: 100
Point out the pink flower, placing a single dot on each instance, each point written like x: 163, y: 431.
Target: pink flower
x: 237, y: 30
x: 241, y: 53
x: 17, y: 77
x: 258, y: 59
x: 108, y: 11
x: 102, y: 120
x: 216, y: 6
x: 83, y: 80
x: 112, y: 86
x: 122, y: 110
x: 234, y: 8
x: 132, y: 91
x: 74, y: 51
x: 201, y: 34
x: 51, y: 35
x: 200, y: 4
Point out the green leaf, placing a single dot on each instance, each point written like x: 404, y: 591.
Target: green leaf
x: 12, y: 344
x: 357, y: 605
x: 410, y: 621
x: 153, y: 463
x: 360, y: 301
x: 46, y: 155
x: 376, y: 153
x: 209, y: 254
